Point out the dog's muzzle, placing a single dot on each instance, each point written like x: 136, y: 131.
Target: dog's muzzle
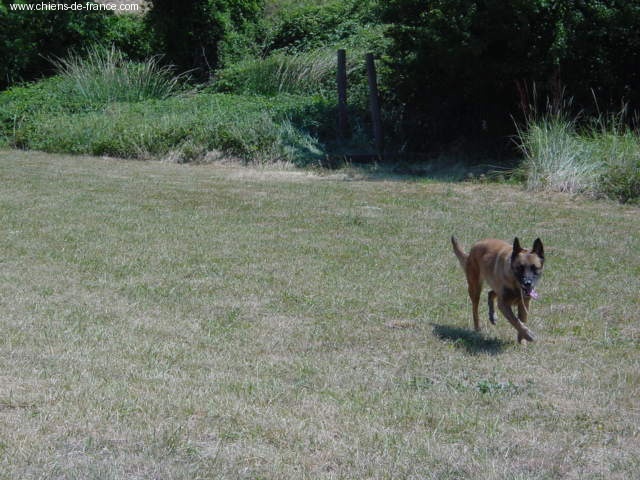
x: 528, y: 289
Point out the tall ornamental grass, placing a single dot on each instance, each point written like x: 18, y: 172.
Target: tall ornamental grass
x: 105, y: 75
x: 304, y: 73
x: 556, y: 158
x: 600, y: 157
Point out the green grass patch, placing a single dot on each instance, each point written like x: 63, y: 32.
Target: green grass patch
x: 223, y: 322
x: 183, y: 128
x: 104, y: 104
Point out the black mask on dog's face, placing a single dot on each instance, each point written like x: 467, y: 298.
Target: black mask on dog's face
x: 527, y: 266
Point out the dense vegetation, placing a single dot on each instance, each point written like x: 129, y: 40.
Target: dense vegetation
x: 455, y: 76
x: 475, y: 62
x: 190, y: 33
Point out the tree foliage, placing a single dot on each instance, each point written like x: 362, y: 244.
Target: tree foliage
x: 190, y: 33
x: 29, y: 38
x: 307, y: 27
x: 467, y: 65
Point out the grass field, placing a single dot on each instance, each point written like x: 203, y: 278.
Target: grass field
x: 182, y: 322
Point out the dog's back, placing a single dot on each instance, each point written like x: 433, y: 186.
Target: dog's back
x: 491, y: 257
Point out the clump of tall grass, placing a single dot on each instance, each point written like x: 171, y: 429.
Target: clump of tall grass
x: 105, y: 75
x: 556, y: 157
x: 620, y: 148
x: 569, y: 154
x: 302, y: 73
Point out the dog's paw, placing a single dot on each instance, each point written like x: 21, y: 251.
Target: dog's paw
x: 526, y: 335
x: 493, y: 319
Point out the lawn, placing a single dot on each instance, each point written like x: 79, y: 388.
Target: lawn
x: 182, y: 322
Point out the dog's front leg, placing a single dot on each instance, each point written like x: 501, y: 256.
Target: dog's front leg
x: 523, y: 309
x: 523, y: 332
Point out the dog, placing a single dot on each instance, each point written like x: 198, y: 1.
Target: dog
x: 511, y: 271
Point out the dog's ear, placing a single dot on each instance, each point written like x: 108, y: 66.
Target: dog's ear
x: 516, y: 248
x: 538, y: 249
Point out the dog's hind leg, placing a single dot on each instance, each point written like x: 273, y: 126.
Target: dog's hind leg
x: 492, y: 307
x: 475, y: 289
x: 474, y: 294
x: 474, y: 283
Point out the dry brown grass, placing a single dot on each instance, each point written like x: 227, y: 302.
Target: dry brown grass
x: 163, y: 321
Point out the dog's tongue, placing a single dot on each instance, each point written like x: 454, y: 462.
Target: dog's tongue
x: 533, y: 294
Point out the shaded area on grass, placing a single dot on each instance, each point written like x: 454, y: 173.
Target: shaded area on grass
x: 473, y: 342
x: 444, y: 169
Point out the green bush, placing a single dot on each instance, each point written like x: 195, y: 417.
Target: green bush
x: 310, y: 27
x: 556, y: 158
x: 86, y: 83
x: 130, y: 34
x: 190, y: 33
x: 28, y: 39
x: 620, y: 149
x: 281, y: 73
x: 52, y: 96
x: 299, y: 57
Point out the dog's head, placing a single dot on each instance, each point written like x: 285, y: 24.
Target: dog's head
x: 527, y: 266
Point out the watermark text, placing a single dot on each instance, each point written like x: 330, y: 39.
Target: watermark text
x: 76, y: 6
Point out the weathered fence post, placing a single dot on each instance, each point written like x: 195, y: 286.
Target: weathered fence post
x: 343, y: 116
x: 374, y: 103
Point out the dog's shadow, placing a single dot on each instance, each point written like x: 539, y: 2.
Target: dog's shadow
x: 473, y: 342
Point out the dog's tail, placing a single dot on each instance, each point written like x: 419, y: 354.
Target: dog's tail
x: 457, y: 249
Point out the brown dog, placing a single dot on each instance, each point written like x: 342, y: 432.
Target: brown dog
x: 512, y: 273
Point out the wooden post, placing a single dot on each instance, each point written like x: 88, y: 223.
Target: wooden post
x: 343, y: 116
x: 374, y: 104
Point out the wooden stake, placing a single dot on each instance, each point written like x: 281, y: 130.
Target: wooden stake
x: 374, y: 104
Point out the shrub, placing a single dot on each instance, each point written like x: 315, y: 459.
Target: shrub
x: 131, y: 34
x: 52, y: 96
x: 620, y: 149
x: 310, y: 27
x: 190, y: 33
